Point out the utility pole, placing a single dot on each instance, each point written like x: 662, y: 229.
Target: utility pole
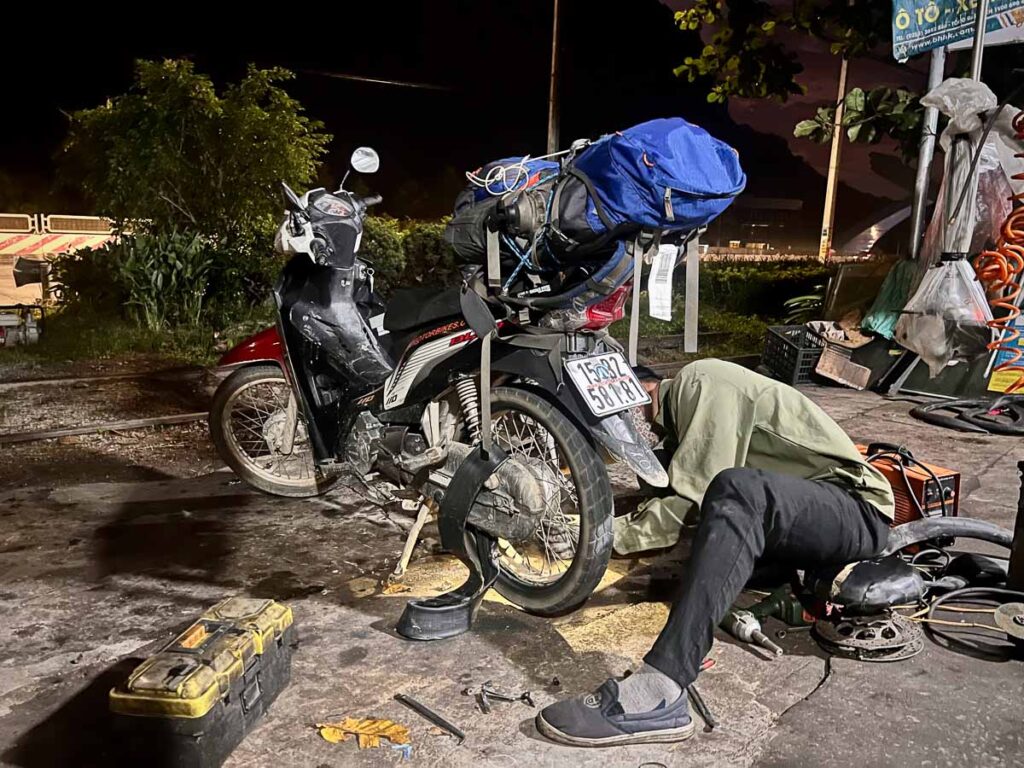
x: 833, y: 169
x: 553, y: 87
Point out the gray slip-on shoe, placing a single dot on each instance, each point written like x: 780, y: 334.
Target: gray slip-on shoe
x: 597, y: 720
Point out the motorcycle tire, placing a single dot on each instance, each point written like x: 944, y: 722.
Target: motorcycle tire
x: 594, y: 502
x: 312, y: 483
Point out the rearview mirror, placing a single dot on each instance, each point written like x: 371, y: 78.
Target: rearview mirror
x: 365, y: 160
x: 291, y: 200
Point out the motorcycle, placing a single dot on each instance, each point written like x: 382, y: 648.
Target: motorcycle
x: 344, y: 386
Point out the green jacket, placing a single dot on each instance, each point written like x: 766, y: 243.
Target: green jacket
x: 716, y: 416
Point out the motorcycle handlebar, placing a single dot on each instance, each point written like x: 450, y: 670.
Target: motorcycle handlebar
x: 366, y: 202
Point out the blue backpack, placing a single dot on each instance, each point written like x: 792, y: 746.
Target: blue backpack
x: 664, y: 174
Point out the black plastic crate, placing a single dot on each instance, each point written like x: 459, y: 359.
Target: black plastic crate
x: 791, y: 352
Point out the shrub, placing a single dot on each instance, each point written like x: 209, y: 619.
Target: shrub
x: 381, y: 247
x: 406, y: 253
x: 165, y: 277
x: 758, y: 288
x: 174, y: 152
x: 156, y: 280
x: 429, y: 260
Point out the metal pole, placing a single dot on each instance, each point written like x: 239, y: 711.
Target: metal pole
x: 553, y: 87
x: 1015, y: 578
x: 979, y: 40
x: 957, y: 236
x: 833, y: 170
x: 925, y: 154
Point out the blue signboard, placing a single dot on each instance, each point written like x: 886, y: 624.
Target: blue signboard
x: 920, y: 25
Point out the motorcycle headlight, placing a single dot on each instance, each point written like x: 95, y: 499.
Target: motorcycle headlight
x: 333, y: 206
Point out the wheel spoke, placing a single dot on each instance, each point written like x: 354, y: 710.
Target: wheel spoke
x: 256, y: 418
x: 548, y: 553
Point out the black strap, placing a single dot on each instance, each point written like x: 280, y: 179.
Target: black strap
x: 593, y: 196
x: 475, y: 309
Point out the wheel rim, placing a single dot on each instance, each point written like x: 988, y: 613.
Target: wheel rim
x: 549, y: 552
x: 255, y: 416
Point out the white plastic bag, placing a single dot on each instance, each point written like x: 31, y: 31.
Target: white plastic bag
x: 946, y: 319
x: 963, y: 101
x: 987, y: 202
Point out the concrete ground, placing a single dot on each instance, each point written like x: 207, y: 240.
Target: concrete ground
x: 96, y: 575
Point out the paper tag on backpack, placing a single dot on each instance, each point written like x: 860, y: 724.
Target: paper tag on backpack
x: 659, y: 282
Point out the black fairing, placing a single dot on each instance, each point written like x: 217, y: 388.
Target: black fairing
x: 335, y: 355
x: 339, y: 229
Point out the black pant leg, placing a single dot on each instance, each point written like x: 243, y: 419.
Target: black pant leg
x: 748, y: 514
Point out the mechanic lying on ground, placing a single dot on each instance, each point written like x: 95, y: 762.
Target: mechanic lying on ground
x: 774, y: 480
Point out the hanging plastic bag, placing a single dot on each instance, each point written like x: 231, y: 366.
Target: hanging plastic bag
x: 946, y: 319
x: 986, y: 203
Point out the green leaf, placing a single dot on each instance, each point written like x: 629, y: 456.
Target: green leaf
x: 806, y: 128
x: 855, y: 100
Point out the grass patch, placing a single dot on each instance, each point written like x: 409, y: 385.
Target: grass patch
x: 79, y: 334
x: 728, y: 333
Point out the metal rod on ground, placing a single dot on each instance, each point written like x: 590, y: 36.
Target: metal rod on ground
x: 157, y: 421
x: 926, y: 152
x: 701, y: 706
x: 163, y: 375
x: 553, y: 86
x: 426, y: 712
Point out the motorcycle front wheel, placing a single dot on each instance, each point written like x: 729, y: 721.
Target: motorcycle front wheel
x: 557, y: 568
x: 248, y: 421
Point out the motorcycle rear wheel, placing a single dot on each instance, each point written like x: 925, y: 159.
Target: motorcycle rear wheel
x: 242, y: 426
x: 534, y: 574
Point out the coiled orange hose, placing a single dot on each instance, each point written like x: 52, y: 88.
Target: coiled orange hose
x: 999, y: 270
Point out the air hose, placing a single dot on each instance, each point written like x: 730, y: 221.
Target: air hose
x: 1000, y: 271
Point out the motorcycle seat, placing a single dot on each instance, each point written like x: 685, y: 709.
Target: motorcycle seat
x: 411, y: 308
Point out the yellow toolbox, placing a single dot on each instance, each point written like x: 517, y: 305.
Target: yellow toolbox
x: 194, y: 701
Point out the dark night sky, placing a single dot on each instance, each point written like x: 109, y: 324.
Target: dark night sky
x: 616, y: 60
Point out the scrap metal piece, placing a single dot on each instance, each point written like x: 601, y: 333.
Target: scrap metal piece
x: 885, y: 637
x: 914, y: 647
x: 1010, y: 619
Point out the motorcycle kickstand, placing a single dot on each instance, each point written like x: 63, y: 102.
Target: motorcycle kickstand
x: 427, y: 509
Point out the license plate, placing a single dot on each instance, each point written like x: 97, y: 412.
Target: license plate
x: 607, y: 383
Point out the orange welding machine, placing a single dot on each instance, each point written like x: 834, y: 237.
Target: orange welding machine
x: 920, y: 489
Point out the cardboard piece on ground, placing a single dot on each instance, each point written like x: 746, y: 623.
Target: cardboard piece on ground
x: 835, y: 362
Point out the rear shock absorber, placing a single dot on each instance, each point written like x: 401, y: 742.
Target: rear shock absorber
x: 469, y: 399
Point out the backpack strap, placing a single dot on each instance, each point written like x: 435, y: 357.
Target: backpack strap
x: 598, y: 206
x: 643, y: 244
x: 567, y: 243
x: 493, y: 258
